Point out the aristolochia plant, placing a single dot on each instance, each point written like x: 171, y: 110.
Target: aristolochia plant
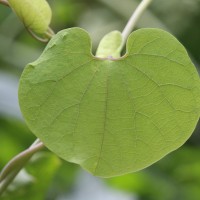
x: 109, y: 113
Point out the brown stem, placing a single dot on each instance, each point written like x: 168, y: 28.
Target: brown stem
x: 47, y: 36
x: 4, y: 2
x: 16, y: 164
x: 44, y: 40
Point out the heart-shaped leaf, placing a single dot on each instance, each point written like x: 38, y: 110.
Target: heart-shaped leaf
x: 111, y: 116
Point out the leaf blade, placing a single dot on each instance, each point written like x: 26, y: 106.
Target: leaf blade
x: 111, y: 116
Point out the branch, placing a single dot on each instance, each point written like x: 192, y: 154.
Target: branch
x: 14, y: 166
x: 134, y: 19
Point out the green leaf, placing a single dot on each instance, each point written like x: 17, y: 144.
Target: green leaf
x: 36, y: 15
x: 111, y: 116
x: 110, y: 45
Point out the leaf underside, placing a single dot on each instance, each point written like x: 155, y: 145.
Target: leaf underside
x: 111, y: 116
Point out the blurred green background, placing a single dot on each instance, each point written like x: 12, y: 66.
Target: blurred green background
x: 177, y: 176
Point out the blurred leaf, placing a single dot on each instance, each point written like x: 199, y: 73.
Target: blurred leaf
x: 63, y: 181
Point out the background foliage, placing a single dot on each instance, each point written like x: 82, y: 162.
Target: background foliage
x: 177, y: 176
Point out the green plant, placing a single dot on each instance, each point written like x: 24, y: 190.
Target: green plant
x: 110, y: 114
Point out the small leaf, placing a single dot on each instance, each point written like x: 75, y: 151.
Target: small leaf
x: 36, y: 15
x: 111, y: 116
x: 110, y: 45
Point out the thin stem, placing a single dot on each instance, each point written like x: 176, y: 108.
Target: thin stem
x: 16, y: 164
x: 5, y: 182
x: 4, y: 2
x: 37, y: 141
x: 16, y: 161
x: 44, y: 40
x: 134, y: 19
x: 50, y: 31
x: 48, y: 35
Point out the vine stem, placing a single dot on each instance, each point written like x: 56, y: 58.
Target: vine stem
x: 15, y: 165
x: 4, y: 2
x: 134, y: 19
x: 47, y: 35
x: 40, y: 39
